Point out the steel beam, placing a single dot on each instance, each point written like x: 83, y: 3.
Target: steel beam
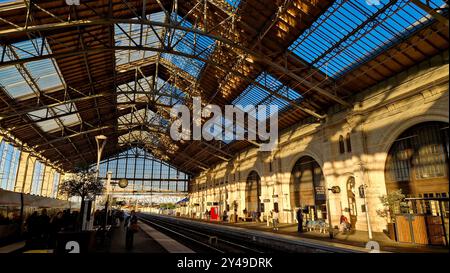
x: 257, y: 56
x: 441, y: 18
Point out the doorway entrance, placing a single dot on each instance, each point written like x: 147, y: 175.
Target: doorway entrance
x: 253, y: 192
x: 352, y: 210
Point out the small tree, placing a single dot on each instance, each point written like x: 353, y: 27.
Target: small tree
x: 82, y: 183
x: 393, y: 203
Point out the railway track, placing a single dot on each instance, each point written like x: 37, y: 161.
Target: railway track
x: 222, y: 239
x: 200, y: 241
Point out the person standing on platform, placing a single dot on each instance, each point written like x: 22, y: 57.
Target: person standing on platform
x: 300, y: 220
x: 275, y: 219
x: 131, y: 229
x: 44, y: 228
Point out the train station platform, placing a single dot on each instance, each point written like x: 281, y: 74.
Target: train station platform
x: 354, y: 239
x: 143, y: 243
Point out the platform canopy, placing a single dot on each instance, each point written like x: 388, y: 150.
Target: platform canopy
x: 115, y: 67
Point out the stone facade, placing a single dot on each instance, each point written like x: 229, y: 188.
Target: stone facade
x: 379, y: 115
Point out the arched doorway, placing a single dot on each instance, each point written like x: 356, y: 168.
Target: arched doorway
x: 351, y: 201
x: 253, y: 192
x: 417, y: 161
x: 307, y: 188
x: 417, y: 164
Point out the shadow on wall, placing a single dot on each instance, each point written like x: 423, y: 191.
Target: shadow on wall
x: 380, y: 118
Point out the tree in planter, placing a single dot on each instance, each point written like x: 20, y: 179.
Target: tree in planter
x: 84, y: 184
x: 393, y: 203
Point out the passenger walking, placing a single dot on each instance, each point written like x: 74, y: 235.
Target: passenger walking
x: 275, y: 219
x: 207, y: 215
x: 131, y: 228
x: 225, y: 216
x: 300, y: 220
x: 44, y: 223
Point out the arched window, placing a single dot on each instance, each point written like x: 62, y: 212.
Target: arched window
x: 417, y: 161
x: 341, y: 145
x: 348, y: 142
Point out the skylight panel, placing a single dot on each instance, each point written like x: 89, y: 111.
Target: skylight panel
x: 18, y: 80
x: 48, y: 125
x: 234, y: 3
x: 13, y: 82
x: 341, y: 39
x: 168, y: 94
x: 188, y: 43
x: 142, y: 116
x: 135, y: 91
x: 45, y: 74
x: 130, y: 35
x: 60, y: 112
x: 38, y: 114
x: 8, y: 1
x: 256, y: 95
x: 69, y: 120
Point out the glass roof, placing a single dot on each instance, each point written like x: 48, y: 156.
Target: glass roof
x: 9, y: 1
x: 142, y: 90
x: 129, y: 35
x: 142, y: 116
x: 168, y: 94
x: 188, y: 43
x: 130, y: 164
x: 55, y: 124
x: 340, y: 39
x: 255, y: 95
x: 136, y: 90
x: 181, y: 41
x: 234, y: 3
x: 23, y: 81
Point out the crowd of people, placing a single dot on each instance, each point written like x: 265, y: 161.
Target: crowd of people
x: 114, y: 217
x: 273, y: 218
x: 7, y: 219
x: 41, y: 228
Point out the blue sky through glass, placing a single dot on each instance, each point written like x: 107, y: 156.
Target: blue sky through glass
x: 9, y: 1
x: 188, y: 43
x: 140, y: 167
x: 9, y: 162
x: 391, y: 25
x: 234, y: 3
x: 254, y: 94
x: 123, y: 33
x: 44, y: 72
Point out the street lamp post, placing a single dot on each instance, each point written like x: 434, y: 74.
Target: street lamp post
x: 108, y: 185
x: 101, y: 142
x: 369, y: 227
x: 334, y: 189
x: 330, y: 226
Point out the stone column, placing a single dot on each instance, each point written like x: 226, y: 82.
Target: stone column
x: 359, y: 170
